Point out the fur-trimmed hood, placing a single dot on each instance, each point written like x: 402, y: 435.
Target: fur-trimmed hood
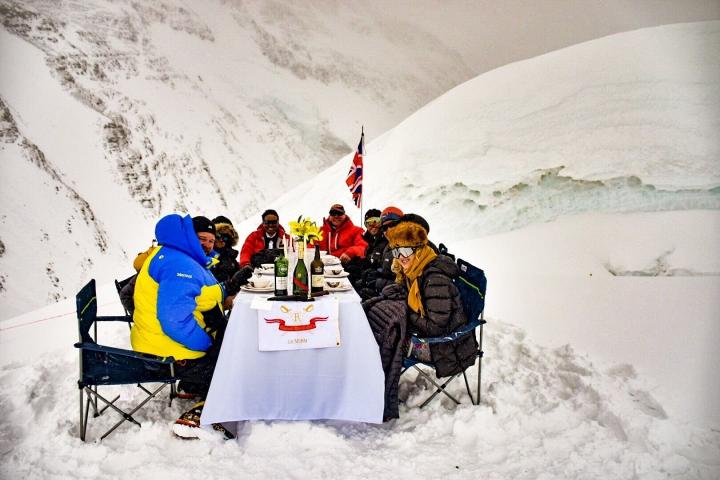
x: 228, y: 230
x: 407, y: 234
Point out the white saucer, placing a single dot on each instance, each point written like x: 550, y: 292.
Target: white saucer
x: 341, y: 288
x: 330, y: 260
x: 248, y: 288
x: 342, y: 274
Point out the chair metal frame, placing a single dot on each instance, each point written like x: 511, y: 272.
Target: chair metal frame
x: 86, y: 304
x: 469, y: 328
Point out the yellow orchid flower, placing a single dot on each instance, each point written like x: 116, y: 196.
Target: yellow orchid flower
x: 305, y: 229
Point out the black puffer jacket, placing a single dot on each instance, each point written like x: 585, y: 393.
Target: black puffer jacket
x: 443, y: 314
x: 374, y: 252
x: 227, y: 264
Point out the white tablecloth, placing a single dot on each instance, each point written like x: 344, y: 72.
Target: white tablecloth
x: 344, y: 383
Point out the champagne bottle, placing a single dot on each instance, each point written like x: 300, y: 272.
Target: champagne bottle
x: 317, y: 272
x: 300, y: 275
x: 281, y: 274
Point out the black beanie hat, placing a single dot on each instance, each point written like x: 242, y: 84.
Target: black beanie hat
x: 417, y: 219
x: 373, y: 212
x: 203, y: 224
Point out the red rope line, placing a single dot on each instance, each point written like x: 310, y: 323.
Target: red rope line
x: 40, y: 320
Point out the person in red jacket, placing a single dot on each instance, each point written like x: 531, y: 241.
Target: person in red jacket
x: 269, y: 235
x: 341, y: 237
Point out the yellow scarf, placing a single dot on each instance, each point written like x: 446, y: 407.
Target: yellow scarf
x: 423, y: 256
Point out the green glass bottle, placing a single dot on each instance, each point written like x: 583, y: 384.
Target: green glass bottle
x: 281, y: 275
x: 317, y: 272
x: 300, y: 274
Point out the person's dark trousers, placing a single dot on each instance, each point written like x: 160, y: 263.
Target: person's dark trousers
x: 195, y: 375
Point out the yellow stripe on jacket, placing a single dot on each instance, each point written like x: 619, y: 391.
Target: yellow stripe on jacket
x: 200, y: 293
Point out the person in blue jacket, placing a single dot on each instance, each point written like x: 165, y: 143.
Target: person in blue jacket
x: 178, y: 307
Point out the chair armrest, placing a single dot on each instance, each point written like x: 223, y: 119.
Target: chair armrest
x: 113, y: 318
x: 125, y: 353
x: 467, y: 328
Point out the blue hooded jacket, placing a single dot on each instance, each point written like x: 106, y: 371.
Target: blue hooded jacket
x: 172, y: 291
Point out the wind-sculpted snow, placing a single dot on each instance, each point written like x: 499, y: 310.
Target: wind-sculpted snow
x: 659, y: 267
x: 547, y: 194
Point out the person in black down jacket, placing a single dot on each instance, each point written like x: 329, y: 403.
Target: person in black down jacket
x: 225, y: 238
x: 434, y: 304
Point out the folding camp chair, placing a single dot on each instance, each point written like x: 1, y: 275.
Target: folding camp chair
x: 472, y: 285
x: 102, y: 365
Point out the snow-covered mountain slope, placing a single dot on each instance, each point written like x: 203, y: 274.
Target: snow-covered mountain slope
x: 138, y: 108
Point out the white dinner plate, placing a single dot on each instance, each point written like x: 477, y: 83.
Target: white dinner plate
x: 342, y: 274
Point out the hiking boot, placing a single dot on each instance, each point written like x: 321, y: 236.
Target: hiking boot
x: 218, y: 427
x: 186, y: 391
x: 188, y: 425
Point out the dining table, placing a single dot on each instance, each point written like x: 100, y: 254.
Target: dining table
x: 343, y: 382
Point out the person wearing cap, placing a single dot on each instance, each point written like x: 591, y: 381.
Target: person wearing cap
x: 341, y: 237
x: 205, y: 230
x: 225, y: 239
x: 372, y: 226
x: 178, y: 305
x: 389, y: 217
x: 434, y: 304
x: 367, y: 286
x: 269, y: 235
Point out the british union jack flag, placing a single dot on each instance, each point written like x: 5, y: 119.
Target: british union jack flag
x: 354, y: 177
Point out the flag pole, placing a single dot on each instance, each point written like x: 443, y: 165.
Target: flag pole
x: 362, y: 140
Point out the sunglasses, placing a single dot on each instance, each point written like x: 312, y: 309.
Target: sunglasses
x: 372, y: 221
x: 270, y: 222
x: 336, y: 213
x: 398, y: 252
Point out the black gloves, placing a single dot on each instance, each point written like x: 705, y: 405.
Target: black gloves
x: 214, y: 320
x: 240, y: 278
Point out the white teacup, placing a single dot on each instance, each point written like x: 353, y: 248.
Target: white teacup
x: 260, y: 282
x: 268, y: 266
x: 333, y: 284
x: 333, y: 269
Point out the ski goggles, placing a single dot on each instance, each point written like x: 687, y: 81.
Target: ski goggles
x: 398, y: 252
x: 372, y: 222
x: 336, y: 213
x: 270, y: 222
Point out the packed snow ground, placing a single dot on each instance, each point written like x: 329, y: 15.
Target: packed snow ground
x: 548, y: 411
x: 602, y: 333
